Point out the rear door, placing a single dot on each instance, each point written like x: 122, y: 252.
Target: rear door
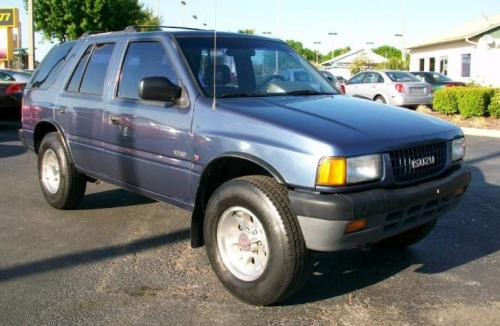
x: 148, y: 142
x: 80, y: 108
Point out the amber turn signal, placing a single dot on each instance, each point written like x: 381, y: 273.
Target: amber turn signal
x: 355, y: 226
x: 331, y: 172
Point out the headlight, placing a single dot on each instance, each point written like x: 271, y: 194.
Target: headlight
x: 341, y: 171
x: 457, y: 149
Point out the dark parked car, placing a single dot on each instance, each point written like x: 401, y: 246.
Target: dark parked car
x: 270, y: 168
x: 12, y: 84
x: 436, y: 79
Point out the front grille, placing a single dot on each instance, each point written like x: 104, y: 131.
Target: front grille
x: 403, y: 169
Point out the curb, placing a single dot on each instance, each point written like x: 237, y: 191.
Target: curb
x: 481, y: 132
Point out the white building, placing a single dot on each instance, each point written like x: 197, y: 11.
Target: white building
x: 340, y: 65
x: 469, y: 53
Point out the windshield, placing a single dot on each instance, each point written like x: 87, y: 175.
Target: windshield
x: 402, y: 76
x: 251, y: 67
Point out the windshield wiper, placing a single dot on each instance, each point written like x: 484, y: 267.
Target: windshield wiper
x: 237, y: 95
x: 307, y: 92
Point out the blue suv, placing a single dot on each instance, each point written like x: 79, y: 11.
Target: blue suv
x: 271, y: 167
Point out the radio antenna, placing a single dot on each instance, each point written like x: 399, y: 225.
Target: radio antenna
x: 215, y: 60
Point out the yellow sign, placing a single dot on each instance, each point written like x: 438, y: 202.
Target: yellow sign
x: 9, y: 17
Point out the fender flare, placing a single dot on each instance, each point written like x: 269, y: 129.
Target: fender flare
x: 59, y: 129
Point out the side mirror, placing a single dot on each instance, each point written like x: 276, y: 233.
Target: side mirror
x: 158, y: 89
x: 331, y: 79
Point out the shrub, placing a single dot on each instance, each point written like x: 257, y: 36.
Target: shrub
x: 445, y: 101
x: 474, y: 101
x: 494, y: 107
x: 468, y: 101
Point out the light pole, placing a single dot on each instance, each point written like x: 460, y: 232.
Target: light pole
x: 333, y: 34
x: 183, y: 5
x: 403, y: 55
x: 317, y: 52
x: 31, y: 37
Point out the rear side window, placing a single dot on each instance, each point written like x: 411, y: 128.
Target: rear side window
x: 95, y: 73
x: 144, y: 59
x: 373, y: 78
x: 50, y: 67
x: 401, y: 76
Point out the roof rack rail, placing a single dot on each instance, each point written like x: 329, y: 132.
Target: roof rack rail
x: 88, y: 33
x: 136, y: 28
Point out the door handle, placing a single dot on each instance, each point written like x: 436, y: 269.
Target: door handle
x: 61, y: 109
x: 114, y: 119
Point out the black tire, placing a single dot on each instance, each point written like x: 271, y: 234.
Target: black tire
x: 409, y: 237
x: 72, y: 184
x: 380, y: 99
x: 288, y: 262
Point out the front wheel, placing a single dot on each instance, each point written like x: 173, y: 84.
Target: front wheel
x: 254, y: 241
x: 62, y: 185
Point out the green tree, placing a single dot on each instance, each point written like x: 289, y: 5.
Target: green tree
x: 246, y: 31
x: 306, y: 53
x: 359, y: 64
x: 336, y: 53
x: 150, y: 18
x: 68, y: 19
x: 388, y: 51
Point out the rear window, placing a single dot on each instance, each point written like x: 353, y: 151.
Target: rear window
x: 401, y: 76
x: 50, y: 67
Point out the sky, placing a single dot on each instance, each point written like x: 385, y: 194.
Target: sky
x: 356, y: 22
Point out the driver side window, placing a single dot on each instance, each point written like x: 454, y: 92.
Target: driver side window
x: 144, y: 59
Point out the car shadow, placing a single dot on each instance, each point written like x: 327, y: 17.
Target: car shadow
x: 468, y: 233
x: 112, y: 198
x: 8, y: 133
x: 90, y: 256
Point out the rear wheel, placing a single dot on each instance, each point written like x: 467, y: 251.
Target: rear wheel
x: 253, y: 240
x: 62, y: 185
x: 380, y: 99
x: 409, y: 237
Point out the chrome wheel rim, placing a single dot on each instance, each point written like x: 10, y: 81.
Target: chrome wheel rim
x: 379, y: 100
x: 51, y: 173
x: 242, y: 243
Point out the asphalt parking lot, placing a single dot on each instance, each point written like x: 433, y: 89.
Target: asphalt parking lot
x: 122, y: 259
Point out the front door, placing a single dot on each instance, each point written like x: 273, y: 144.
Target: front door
x: 148, y: 142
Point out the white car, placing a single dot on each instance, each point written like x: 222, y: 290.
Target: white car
x: 391, y: 86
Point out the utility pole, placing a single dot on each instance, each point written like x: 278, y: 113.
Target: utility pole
x: 333, y: 34
x: 183, y: 5
x: 317, y: 52
x: 31, y: 37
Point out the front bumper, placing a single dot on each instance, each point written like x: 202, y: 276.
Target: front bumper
x: 323, y: 217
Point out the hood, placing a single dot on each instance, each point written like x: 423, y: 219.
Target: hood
x: 351, y: 126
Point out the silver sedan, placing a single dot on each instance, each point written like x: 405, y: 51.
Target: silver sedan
x: 391, y: 86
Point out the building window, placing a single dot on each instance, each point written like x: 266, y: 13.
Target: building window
x: 422, y: 64
x: 432, y: 64
x: 466, y: 65
x: 443, y: 65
